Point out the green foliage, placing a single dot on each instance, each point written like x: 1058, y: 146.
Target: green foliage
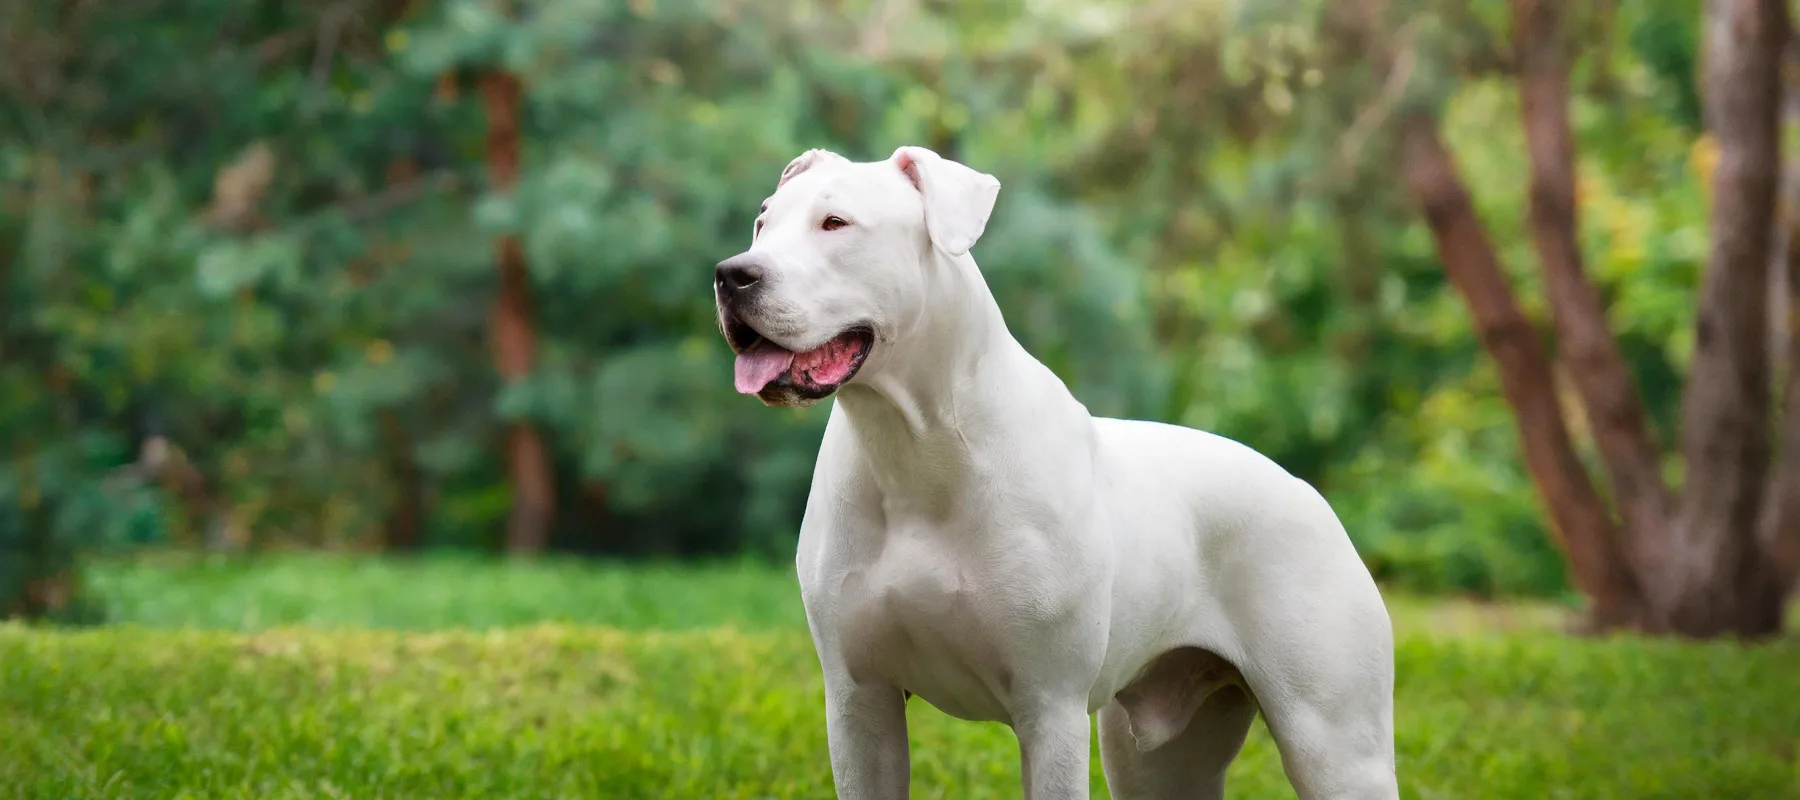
x: 274, y: 356
x: 567, y: 711
x: 1667, y: 41
x: 1199, y: 225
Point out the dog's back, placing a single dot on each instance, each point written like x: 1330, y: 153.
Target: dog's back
x: 1234, y: 524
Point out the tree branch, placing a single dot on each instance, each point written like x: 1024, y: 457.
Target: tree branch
x: 1393, y: 88
x: 1578, y: 515
x: 1584, y: 339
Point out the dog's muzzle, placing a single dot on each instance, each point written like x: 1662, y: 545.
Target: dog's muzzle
x: 775, y: 374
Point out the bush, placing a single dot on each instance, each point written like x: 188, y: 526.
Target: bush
x: 52, y: 515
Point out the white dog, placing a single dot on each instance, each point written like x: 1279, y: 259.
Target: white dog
x: 975, y: 537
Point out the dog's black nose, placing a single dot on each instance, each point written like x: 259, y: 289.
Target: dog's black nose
x: 737, y: 274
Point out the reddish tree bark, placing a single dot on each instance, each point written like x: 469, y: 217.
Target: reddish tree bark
x: 1584, y: 340
x: 1578, y: 515
x: 514, y: 334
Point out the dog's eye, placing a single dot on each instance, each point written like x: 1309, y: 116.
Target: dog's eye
x: 833, y: 222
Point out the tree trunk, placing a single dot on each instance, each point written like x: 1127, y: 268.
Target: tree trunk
x: 1578, y: 515
x: 1723, y: 584
x: 1584, y: 340
x: 514, y: 335
x: 404, y: 529
x: 1782, y: 237
x: 1780, y: 525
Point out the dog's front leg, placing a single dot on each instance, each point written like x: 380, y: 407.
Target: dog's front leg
x: 865, y: 727
x: 1053, y: 751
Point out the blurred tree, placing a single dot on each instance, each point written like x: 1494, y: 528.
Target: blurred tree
x: 254, y: 296
x: 514, y: 331
x: 1577, y: 511
x: 1717, y: 576
x: 268, y: 224
x: 1704, y: 564
x: 1780, y: 523
x: 1617, y: 419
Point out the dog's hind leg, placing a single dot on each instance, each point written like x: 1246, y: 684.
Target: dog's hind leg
x: 1172, y: 733
x: 1332, y: 756
x: 1328, y: 702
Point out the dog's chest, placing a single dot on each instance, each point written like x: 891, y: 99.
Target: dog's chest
x: 928, y: 622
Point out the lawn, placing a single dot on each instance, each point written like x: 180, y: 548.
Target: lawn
x: 330, y: 591
x: 325, y: 678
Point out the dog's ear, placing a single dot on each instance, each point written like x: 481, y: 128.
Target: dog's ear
x: 806, y: 161
x: 958, y: 200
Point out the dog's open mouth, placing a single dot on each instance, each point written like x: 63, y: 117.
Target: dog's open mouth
x: 777, y: 374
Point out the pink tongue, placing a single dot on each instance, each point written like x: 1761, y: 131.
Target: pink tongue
x: 761, y: 365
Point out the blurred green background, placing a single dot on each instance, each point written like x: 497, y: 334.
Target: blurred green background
x: 365, y: 430
x: 251, y: 255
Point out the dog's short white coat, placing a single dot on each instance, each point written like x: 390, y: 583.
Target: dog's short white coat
x: 975, y: 538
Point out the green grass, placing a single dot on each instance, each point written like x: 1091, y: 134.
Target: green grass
x: 703, y: 684
x: 177, y: 590
x: 438, y: 592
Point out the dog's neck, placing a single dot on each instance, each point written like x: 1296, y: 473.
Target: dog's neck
x: 938, y: 355
x: 964, y: 384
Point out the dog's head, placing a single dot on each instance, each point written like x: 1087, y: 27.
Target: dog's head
x: 836, y: 270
